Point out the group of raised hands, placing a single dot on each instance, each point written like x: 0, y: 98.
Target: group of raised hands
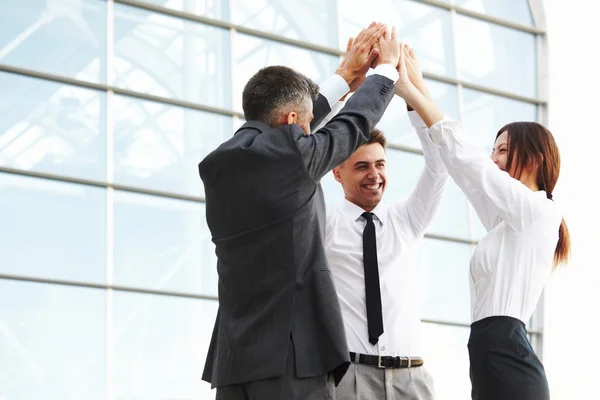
x: 376, y: 45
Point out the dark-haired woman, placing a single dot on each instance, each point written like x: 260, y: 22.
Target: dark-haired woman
x: 526, y: 239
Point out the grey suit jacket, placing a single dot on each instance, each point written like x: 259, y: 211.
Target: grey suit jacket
x: 266, y: 214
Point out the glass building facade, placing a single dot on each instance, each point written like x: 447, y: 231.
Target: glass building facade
x: 107, y: 272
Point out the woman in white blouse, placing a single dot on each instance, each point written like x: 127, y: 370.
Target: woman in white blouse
x: 527, y: 237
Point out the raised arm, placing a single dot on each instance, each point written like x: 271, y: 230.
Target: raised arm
x: 340, y: 137
x: 468, y: 164
x: 425, y: 199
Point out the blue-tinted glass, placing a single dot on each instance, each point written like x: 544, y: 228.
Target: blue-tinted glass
x: 218, y: 9
x: 171, y: 57
x: 444, y: 275
x: 52, y: 342
x: 62, y: 37
x: 163, y: 244
x: 309, y: 20
x: 495, y: 56
x: 53, y: 128
x: 427, y: 29
x: 159, y: 146
x: 447, y: 360
x: 514, y: 10
x: 160, y: 346
x: 395, y: 123
x: 252, y: 54
x: 52, y: 230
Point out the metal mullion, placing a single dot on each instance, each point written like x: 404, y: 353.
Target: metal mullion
x: 102, y: 184
x: 124, y: 92
x: 104, y: 286
x: 223, y: 111
x: 484, y: 17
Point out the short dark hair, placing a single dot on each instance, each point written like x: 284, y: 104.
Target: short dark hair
x: 376, y: 136
x: 272, y: 89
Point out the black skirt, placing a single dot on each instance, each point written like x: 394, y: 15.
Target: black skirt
x: 503, y: 364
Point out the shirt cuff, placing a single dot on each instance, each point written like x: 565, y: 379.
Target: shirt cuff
x: 387, y: 70
x: 334, y: 89
x: 416, y: 120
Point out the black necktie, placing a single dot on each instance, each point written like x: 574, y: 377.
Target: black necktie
x: 372, y: 291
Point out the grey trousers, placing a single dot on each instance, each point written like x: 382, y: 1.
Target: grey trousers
x: 286, y: 387
x: 367, y: 382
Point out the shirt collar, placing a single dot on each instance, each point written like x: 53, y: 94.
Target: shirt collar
x: 355, y: 212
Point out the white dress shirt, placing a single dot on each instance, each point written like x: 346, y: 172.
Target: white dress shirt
x: 512, y: 263
x: 399, y: 228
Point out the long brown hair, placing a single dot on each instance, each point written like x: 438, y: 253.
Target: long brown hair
x: 533, y: 146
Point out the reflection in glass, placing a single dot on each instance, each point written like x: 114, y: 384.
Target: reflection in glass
x: 159, y: 146
x: 395, y: 123
x: 444, y: 277
x: 252, y: 54
x: 62, y: 37
x: 163, y: 244
x: 52, y: 230
x: 52, y: 128
x: 52, y: 342
x: 218, y: 9
x: 427, y: 29
x: 160, y: 345
x: 447, y: 359
x: 515, y: 11
x: 495, y: 56
x: 312, y: 21
x: 484, y: 114
x: 171, y: 57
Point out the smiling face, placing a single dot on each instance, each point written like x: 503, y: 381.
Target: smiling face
x: 500, y: 152
x: 363, y: 176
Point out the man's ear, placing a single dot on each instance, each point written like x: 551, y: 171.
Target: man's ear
x: 336, y: 174
x: 291, y: 118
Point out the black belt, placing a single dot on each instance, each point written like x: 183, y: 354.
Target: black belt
x: 387, y: 361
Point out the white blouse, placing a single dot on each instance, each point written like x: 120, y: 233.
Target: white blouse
x: 512, y: 263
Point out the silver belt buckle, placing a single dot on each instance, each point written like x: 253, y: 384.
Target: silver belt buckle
x: 379, y: 362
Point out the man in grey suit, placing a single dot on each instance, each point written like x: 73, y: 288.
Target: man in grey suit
x: 279, y: 332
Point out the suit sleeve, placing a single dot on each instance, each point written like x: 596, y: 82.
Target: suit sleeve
x: 348, y: 130
x: 321, y: 109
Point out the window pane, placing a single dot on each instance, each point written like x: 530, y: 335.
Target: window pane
x: 52, y: 341
x: 444, y: 276
x: 171, y: 57
x: 62, y: 37
x: 447, y: 359
x: 252, y: 54
x: 160, y: 346
x: 163, y: 244
x: 484, y: 115
x: 159, y: 146
x: 217, y: 9
x: 309, y: 20
x: 427, y: 29
x: 395, y: 123
x: 53, y: 230
x: 516, y: 10
x: 52, y: 128
x: 495, y: 56
x: 452, y: 218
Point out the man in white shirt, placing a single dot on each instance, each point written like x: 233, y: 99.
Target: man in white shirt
x: 371, y: 251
